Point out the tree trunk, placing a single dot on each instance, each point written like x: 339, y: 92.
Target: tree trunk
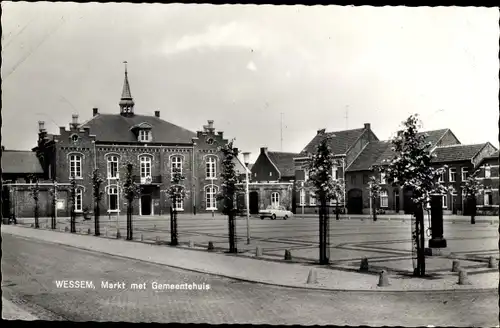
x: 129, y: 221
x: 96, y: 219
x: 53, y: 218
x: 472, y: 209
x: 337, y: 214
x: 173, y: 226
x: 37, y: 225
x: 323, y: 231
x: 420, y: 242
x: 232, y: 233
x: 374, y: 208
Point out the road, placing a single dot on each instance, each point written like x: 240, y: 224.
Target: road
x: 30, y: 269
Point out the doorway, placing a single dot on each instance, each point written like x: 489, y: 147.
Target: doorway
x: 355, y: 201
x: 254, y: 202
x: 146, y: 205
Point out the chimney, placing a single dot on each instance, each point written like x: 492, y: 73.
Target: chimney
x: 41, y: 126
x: 235, y: 150
x: 210, y: 124
x: 367, y: 126
x: 321, y: 131
x: 157, y: 113
x: 263, y: 150
x: 95, y: 111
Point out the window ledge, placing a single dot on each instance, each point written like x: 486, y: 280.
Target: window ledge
x: 78, y: 211
x: 211, y: 209
x: 113, y: 211
x: 210, y: 178
x: 76, y: 178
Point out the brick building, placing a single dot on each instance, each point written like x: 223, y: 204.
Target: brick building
x: 154, y: 146
x: 488, y: 200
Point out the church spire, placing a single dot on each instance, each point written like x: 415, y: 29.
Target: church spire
x: 126, y: 101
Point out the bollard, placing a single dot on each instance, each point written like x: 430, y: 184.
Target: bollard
x: 362, y: 219
x: 455, y: 266
x: 88, y: 231
x: 258, y: 251
x: 363, y: 267
x: 157, y: 239
x: 105, y: 231
x: 383, y: 279
x: 66, y: 229
x: 312, y: 278
x: 142, y: 237
x: 210, y: 246
x: 288, y: 255
x: 492, y: 263
x: 463, y: 279
x: 118, y: 235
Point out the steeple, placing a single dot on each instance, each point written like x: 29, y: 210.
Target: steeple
x: 126, y: 102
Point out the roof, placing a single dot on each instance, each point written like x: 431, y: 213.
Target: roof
x: 432, y: 136
x: 239, y: 167
x: 369, y: 156
x: 115, y: 127
x: 340, y: 141
x: 284, y: 162
x: 456, y: 153
x: 20, y: 162
x: 494, y: 155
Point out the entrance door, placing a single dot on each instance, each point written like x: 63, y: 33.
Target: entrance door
x: 254, y: 202
x: 396, y: 201
x: 146, y: 205
x: 355, y: 201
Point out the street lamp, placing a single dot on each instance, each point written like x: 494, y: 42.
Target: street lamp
x: 246, y: 160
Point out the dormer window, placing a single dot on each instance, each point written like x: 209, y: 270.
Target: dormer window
x: 144, y: 135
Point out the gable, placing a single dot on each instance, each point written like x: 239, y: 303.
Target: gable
x: 284, y: 162
x: 339, y: 142
x: 264, y: 169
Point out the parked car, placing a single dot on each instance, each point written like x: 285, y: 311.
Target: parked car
x: 275, y: 212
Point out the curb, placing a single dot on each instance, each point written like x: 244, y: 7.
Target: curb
x: 267, y: 282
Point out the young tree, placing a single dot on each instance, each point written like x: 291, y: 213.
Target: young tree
x: 411, y: 169
x: 176, y: 192
x: 320, y: 170
x: 471, y: 188
x: 35, y: 193
x: 72, y: 190
x: 131, y: 191
x: 98, y: 194
x: 374, y: 189
x: 229, y: 190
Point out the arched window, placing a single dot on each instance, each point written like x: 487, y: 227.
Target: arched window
x: 176, y: 162
x: 145, y: 166
x: 384, y: 198
x: 275, y: 199
x: 179, y: 204
x: 113, y: 167
x: 210, y: 167
x: 113, y: 199
x: 79, y: 200
x: 210, y: 197
x: 488, y: 198
x: 75, y: 166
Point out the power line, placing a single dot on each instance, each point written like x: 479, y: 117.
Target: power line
x: 34, y: 49
x: 17, y: 34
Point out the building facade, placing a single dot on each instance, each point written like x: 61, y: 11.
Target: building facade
x: 154, y: 146
x: 488, y: 200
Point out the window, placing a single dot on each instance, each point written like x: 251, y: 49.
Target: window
x: 79, y: 200
x: 302, y: 200
x: 465, y: 173
x: 144, y: 135
x: 487, y: 171
x: 176, y: 163
x: 75, y: 166
x: 179, y: 204
x: 113, y: 198
x: 210, y: 168
x: 382, y: 178
x: 488, y: 200
x: 306, y: 175
x: 270, y: 174
x: 113, y: 167
x: 453, y: 175
x: 312, y: 198
x: 384, y: 198
x: 145, y: 166
x: 210, y: 197
x: 441, y: 177
x: 334, y: 173
x: 275, y: 199
x: 445, y: 201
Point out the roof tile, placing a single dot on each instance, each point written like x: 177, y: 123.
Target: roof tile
x: 456, y: 153
x: 340, y: 141
x: 284, y: 162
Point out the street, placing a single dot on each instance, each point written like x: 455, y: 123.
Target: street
x: 31, y: 268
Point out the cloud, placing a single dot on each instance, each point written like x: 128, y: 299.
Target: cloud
x: 251, y: 66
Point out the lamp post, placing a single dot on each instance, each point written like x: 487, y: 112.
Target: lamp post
x: 246, y: 160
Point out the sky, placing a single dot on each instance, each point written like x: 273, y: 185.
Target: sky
x: 258, y: 71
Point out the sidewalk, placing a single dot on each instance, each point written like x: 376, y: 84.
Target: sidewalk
x: 10, y: 311
x: 253, y: 270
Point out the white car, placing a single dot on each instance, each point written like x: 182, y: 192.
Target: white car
x: 275, y: 212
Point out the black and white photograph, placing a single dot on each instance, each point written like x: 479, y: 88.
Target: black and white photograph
x: 250, y: 164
